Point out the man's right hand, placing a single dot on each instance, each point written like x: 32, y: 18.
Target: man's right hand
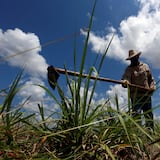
x: 125, y: 83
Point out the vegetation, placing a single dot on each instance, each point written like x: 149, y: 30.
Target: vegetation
x: 84, y: 131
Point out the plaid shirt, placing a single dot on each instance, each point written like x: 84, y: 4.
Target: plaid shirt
x: 139, y: 75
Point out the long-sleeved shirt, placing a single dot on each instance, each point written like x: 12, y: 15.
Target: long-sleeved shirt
x: 139, y: 75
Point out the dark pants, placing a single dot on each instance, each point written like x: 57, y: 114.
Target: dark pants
x: 143, y: 104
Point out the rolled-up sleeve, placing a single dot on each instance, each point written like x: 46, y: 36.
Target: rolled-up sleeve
x: 127, y: 75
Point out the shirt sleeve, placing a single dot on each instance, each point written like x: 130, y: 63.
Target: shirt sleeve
x: 151, y: 81
x: 127, y: 75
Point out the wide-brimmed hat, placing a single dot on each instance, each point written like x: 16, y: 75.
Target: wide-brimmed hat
x: 132, y: 54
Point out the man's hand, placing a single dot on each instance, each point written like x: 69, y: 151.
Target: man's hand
x: 152, y: 89
x: 125, y: 83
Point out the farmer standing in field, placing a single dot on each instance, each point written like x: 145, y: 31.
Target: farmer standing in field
x: 139, y: 73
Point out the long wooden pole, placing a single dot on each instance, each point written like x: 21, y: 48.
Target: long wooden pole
x: 72, y: 73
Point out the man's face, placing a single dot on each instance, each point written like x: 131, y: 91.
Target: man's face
x: 135, y: 60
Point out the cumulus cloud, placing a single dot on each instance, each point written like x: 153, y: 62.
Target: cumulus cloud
x: 140, y: 32
x: 20, y: 49
x: 121, y: 93
x: 33, y: 95
x: 33, y: 91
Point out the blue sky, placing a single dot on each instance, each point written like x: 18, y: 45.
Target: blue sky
x: 29, y: 24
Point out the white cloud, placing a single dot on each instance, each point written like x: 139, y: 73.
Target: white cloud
x: 33, y: 91
x: 121, y: 93
x: 140, y: 32
x: 22, y: 49
x: 33, y: 95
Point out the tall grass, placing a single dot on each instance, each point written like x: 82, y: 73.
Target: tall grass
x: 90, y: 131
x: 84, y: 130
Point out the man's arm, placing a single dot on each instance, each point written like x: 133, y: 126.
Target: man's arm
x: 151, y: 81
x: 126, y: 78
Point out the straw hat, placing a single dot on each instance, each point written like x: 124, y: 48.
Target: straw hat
x: 132, y: 54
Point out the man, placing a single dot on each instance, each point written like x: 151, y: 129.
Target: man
x: 139, y: 73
